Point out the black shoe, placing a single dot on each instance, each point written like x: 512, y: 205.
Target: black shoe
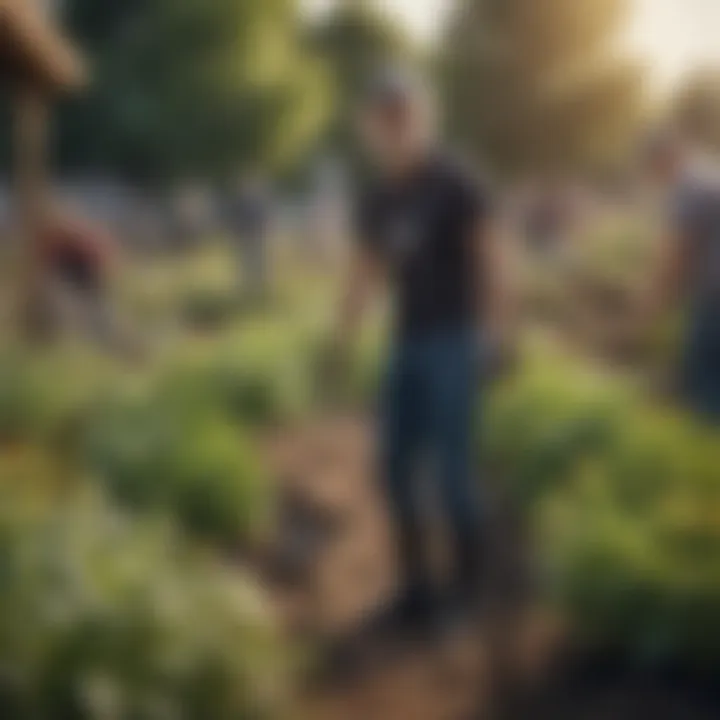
x: 472, y: 569
x: 412, y: 613
x: 409, y: 617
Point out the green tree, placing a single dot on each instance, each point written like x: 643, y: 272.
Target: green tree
x: 187, y: 87
x: 532, y: 86
x: 695, y: 108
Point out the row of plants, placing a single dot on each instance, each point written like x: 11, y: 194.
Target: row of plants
x: 138, y: 438
x: 624, y: 497
x: 624, y: 500
x: 107, y: 615
x: 129, y: 496
x: 121, y: 493
x: 178, y: 434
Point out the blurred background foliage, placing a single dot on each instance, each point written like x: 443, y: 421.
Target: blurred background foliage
x: 132, y: 494
x: 100, y: 619
x: 201, y: 89
x: 182, y: 89
x: 537, y: 86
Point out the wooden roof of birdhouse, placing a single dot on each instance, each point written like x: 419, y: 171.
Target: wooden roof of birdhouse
x: 32, y: 51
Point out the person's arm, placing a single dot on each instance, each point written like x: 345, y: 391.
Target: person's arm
x: 668, y: 278
x: 359, y: 287
x: 493, y: 270
x: 362, y: 272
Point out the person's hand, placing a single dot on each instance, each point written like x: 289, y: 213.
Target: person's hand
x: 334, y: 366
x: 499, y: 356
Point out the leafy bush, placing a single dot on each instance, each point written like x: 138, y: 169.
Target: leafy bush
x: 209, y: 307
x: 635, y: 545
x: 198, y: 287
x: 47, y: 397
x: 35, y: 475
x: 153, y: 454
x: 259, y: 376
x: 23, y: 399
x: 102, y: 616
x: 554, y: 418
x: 356, y: 382
x: 625, y: 498
x: 366, y: 366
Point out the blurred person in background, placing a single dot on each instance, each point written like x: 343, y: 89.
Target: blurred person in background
x: 424, y: 227
x: 546, y: 220
x: 249, y: 219
x: 190, y: 220
x: 688, y: 272
x: 78, y: 259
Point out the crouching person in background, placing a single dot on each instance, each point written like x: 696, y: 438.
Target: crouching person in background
x: 77, y: 263
x: 249, y: 217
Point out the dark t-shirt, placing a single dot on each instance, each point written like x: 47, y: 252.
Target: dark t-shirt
x: 422, y: 230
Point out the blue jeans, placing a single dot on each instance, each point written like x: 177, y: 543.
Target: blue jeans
x: 701, y: 362
x: 427, y: 413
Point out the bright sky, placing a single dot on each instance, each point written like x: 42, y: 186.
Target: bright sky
x: 672, y: 35
x: 676, y: 35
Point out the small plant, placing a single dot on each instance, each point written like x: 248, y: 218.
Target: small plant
x: 207, y: 308
x: 102, y: 615
x: 47, y: 398
x: 258, y: 377
x: 155, y: 455
x: 551, y: 420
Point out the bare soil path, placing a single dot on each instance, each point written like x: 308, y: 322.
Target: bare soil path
x: 339, y: 554
x: 335, y: 565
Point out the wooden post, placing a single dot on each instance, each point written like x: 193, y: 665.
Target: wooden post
x: 30, y: 146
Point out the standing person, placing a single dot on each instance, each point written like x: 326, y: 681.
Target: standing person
x: 250, y: 218
x: 424, y: 226
x: 689, y: 270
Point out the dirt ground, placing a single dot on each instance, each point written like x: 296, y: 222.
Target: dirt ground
x: 333, y: 565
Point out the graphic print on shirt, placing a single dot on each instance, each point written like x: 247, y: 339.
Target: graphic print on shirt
x: 404, y: 238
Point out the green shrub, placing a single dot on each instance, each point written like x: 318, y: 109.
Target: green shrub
x: 153, y: 454
x: 366, y: 366
x: 625, y: 498
x: 198, y: 287
x: 23, y: 399
x: 635, y: 548
x: 355, y: 384
x: 548, y: 422
x: 259, y: 376
x: 209, y: 307
x: 106, y: 617
x: 34, y: 474
x: 47, y: 397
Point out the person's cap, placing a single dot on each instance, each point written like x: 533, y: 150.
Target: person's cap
x: 394, y: 89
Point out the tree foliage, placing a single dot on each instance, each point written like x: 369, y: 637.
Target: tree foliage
x: 186, y: 87
x: 696, y: 107
x: 533, y: 86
